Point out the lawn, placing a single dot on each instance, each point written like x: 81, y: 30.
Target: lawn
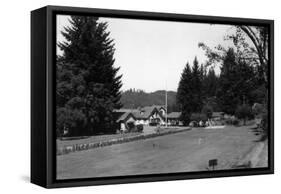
x: 181, y: 152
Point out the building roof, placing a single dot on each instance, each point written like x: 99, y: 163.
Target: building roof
x: 174, y: 115
x: 125, y: 116
x: 125, y: 110
x: 141, y: 113
x: 144, y: 112
x: 159, y: 106
x: 150, y: 108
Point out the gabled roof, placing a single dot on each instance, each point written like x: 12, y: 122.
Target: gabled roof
x: 125, y: 110
x: 125, y: 116
x: 159, y: 106
x: 145, y: 112
x: 141, y: 113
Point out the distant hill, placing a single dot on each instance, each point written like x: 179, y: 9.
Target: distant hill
x: 138, y: 98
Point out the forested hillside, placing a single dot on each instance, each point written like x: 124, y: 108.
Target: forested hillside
x: 133, y: 98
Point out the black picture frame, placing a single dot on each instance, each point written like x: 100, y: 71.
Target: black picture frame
x: 43, y: 52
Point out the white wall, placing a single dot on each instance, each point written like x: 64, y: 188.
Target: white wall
x: 15, y: 94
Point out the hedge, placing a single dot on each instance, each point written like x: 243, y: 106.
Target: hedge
x: 80, y: 147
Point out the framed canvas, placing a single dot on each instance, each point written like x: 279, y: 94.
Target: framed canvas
x: 127, y: 96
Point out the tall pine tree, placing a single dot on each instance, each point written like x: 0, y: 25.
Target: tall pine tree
x: 210, y: 82
x: 236, y: 83
x: 184, y: 94
x: 189, y: 94
x: 88, y: 87
x: 226, y: 92
x: 197, y: 87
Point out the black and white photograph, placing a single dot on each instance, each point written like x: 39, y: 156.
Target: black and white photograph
x: 140, y: 97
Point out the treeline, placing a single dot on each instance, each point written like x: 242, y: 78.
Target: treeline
x: 241, y: 89
x: 251, y: 51
x: 135, y: 98
x: 87, y: 87
x: 233, y: 91
x: 197, y: 88
x: 239, y: 84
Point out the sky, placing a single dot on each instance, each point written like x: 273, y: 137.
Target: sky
x: 152, y: 54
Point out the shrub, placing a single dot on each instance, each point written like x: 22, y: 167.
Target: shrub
x: 258, y: 109
x: 139, y: 128
x: 235, y: 122
x: 131, y: 126
x: 228, y: 121
x: 264, y: 124
x: 244, y: 112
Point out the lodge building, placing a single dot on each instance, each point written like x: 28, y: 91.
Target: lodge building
x: 148, y: 115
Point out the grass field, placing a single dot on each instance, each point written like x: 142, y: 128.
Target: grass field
x: 182, y: 152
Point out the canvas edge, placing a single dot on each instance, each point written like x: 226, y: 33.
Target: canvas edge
x: 51, y: 182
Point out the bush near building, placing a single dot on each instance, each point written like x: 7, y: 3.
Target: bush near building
x: 244, y: 112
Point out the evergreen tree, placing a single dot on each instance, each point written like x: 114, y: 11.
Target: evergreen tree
x: 190, y: 92
x: 210, y: 82
x: 184, y: 94
x: 203, y: 73
x: 196, y: 82
x: 88, y: 87
x: 246, y: 83
x: 226, y: 93
x: 236, y: 83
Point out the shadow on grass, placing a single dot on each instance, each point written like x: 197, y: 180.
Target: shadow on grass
x: 262, y: 138
x: 259, y: 132
x: 246, y: 165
